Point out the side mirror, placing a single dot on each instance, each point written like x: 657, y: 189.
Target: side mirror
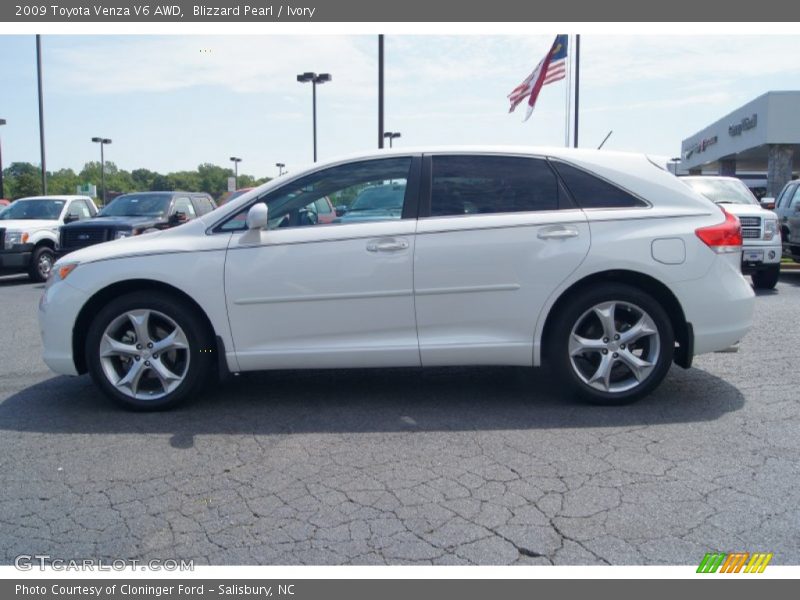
x: 340, y: 210
x: 258, y: 216
x: 177, y: 217
x: 768, y: 203
x: 69, y: 218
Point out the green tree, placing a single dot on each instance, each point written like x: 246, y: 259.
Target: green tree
x: 23, y: 179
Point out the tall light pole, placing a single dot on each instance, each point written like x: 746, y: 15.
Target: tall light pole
x: 102, y: 141
x: 236, y: 160
x: 41, y: 111
x: 314, y: 78
x: 391, y: 135
x: 380, y: 91
x: 2, y: 189
x: 280, y: 168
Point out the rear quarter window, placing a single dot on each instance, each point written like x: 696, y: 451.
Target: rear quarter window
x: 590, y: 191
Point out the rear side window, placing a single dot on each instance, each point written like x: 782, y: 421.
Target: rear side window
x: 463, y: 185
x: 589, y: 191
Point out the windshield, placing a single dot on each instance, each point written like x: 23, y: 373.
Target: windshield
x: 386, y: 197
x: 137, y: 205
x: 722, y: 191
x: 39, y: 208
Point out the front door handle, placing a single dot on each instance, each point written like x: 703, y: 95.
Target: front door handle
x: 558, y: 233
x: 387, y: 245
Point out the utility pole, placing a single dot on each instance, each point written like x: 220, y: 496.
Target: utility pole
x: 380, y: 91
x: 41, y: 112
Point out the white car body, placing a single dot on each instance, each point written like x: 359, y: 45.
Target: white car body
x: 471, y: 289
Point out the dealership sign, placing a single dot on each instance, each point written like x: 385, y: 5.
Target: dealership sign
x: 743, y: 125
x: 700, y: 146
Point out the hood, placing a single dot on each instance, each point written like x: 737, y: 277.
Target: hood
x: 28, y: 225
x: 178, y: 239
x: 747, y: 210
x: 120, y: 222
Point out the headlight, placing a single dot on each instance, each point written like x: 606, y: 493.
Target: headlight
x: 15, y: 237
x: 770, y: 228
x: 62, y: 271
x: 122, y: 234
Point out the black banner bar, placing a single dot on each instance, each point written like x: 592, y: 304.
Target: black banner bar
x: 396, y: 589
x: 187, y: 11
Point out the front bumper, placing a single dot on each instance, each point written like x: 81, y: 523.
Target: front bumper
x: 757, y: 257
x: 17, y: 258
x: 59, y: 307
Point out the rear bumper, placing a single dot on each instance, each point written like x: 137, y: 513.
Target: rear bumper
x: 719, y: 307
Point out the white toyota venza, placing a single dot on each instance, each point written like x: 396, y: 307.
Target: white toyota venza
x: 601, y: 265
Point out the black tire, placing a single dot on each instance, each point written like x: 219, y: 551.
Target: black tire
x: 766, y: 279
x: 575, y: 309
x: 201, y: 352
x: 41, y: 264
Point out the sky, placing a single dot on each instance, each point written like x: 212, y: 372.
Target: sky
x: 172, y: 102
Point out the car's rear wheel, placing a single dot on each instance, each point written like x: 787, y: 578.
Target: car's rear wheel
x: 41, y: 264
x: 149, y: 351
x: 766, y: 279
x: 612, y: 344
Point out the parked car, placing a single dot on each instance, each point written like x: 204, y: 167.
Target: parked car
x: 29, y: 231
x: 761, y: 251
x: 787, y: 208
x: 133, y: 214
x: 599, y: 264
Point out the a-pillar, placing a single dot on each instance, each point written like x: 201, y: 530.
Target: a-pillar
x: 779, y: 168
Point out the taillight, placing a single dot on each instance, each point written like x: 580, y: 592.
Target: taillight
x: 724, y: 237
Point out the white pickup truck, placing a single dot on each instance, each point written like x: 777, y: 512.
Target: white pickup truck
x: 761, y: 239
x: 29, y: 231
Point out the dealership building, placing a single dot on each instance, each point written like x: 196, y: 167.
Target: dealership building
x: 763, y: 136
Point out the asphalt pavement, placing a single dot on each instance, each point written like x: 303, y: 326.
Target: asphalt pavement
x: 442, y: 466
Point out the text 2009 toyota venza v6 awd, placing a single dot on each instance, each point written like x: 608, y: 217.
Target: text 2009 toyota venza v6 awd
x: 601, y: 265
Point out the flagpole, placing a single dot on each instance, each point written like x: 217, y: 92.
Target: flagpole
x: 569, y: 96
x: 577, y: 86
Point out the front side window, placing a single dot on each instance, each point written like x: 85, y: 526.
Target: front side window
x: 372, y: 190
x: 589, y: 191
x: 785, y: 194
x: 79, y: 209
x: 184, y: 206
x: 464, y: 185
x: 796, y: 198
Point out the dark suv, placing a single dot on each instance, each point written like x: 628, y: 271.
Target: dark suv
x: 134, y: 214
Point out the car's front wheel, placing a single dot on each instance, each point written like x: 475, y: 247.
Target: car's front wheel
x: 611, y: 344
x: 149, y: 351
x: 41, y: 264
x: 766, y: 279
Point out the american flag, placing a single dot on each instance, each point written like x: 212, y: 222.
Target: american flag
x: 552, y: 67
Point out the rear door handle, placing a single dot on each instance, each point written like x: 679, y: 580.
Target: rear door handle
x: 387, y: 245
x: 557, y: 233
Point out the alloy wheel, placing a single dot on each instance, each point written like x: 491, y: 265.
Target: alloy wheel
x: 614, y: 346
x: 144, y: 354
